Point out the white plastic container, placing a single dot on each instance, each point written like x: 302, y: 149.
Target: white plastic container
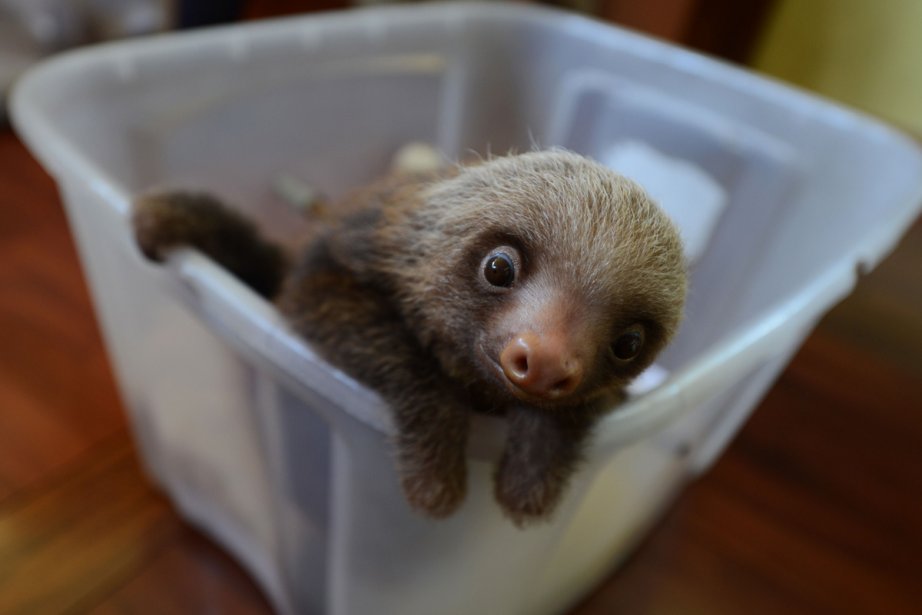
x: 285, y: 461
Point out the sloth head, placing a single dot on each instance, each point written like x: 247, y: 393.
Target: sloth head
x: 544, y: 278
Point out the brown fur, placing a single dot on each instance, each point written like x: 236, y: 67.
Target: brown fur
x: 391, y: 290
x: 166, y: 221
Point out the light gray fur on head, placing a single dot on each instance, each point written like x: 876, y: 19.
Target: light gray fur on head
x: 598, y: 229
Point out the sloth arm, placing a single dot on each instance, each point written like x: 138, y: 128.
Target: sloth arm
x: 354, y: 326
x: 543, y: 449
x: 165, y: 221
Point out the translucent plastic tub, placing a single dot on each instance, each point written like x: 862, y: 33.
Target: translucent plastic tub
x: 284, y: 460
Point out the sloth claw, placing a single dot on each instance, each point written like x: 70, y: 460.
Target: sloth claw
x: 436, y: 496
x: 527, y: 502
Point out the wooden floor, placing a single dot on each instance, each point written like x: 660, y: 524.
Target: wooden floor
x: 815, y: 508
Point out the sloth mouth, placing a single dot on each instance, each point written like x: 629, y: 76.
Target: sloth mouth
x: 494, y: 368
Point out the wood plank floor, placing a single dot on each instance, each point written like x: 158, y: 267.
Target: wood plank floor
x: 815, y: 508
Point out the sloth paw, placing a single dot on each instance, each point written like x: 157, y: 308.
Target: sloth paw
x: 437, y: 496
x: 527, y: 500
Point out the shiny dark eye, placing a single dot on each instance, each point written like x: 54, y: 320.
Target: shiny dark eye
x: 499, y: 270
x: 629, y: 344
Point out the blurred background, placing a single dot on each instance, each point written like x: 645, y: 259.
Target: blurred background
x: 862, y: 53
x: 815, y: 507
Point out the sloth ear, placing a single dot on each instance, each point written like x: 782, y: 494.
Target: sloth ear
x: 354, y: 244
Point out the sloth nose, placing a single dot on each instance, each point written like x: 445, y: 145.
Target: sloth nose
x: 543, y: 366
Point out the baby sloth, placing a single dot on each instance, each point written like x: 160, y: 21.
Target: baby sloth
x: 533, y: 286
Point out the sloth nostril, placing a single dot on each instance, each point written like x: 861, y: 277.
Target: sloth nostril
x: 563, y: 386
x: 519, y: 364
x: 516, y: 362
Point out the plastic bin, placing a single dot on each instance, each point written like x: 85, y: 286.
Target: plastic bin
x: 284, y: 460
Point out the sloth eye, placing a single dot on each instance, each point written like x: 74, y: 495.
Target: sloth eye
x: 629, y: 344
x: 499, y: 269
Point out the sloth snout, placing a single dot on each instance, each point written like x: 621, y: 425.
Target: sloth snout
x: 541, y: 366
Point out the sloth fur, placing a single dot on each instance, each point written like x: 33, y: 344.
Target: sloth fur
x: 532, y: 286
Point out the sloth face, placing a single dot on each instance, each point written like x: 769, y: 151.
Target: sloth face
x: 542, y: 278
x: 549, y: 340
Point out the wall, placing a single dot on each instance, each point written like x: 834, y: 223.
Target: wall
x: 864, y: 53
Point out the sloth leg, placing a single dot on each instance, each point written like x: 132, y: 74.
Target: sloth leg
x: 354, y: 327
x: 542, y: 451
